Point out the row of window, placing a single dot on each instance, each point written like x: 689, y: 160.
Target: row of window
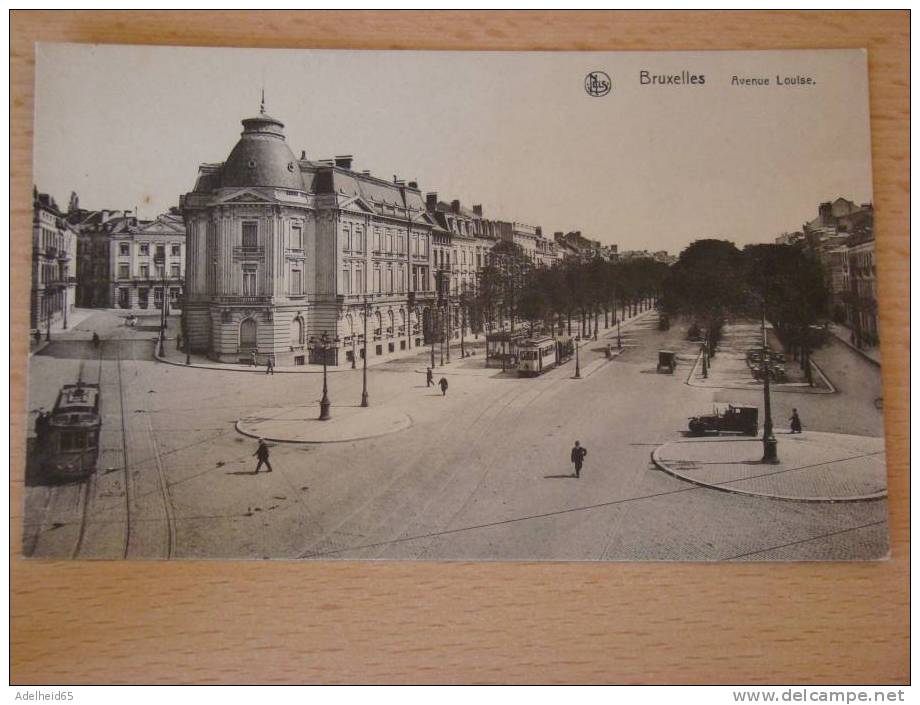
x: 353, y: 240
x: 51, y: 238
x: 384, y: 281
x: 143, y: 249
x: 124, y: 271
x: 250, y: 235
x: 143, y: 297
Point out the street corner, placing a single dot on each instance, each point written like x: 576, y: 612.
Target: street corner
x: 813, y: 467
x: 301, y: 424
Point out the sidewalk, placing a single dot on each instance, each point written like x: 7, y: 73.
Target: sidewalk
x: 58, y: 331
x: 843, y: 333
x: 814, y: 467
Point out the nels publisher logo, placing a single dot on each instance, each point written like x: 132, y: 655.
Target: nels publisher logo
x: 598, y: 84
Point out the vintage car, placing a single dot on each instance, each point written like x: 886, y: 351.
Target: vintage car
x: 728, y: 418
x: 667, y: 361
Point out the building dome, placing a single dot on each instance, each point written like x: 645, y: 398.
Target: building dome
x: 262, y: 157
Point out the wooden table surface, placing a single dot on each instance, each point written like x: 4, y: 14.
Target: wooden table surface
x: 268, y: 622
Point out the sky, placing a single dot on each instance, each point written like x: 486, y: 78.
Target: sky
x: 645, y: 166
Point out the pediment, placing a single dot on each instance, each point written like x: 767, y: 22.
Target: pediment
x: 356, y: 203
x: 245, y: 197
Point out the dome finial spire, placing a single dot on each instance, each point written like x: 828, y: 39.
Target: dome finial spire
x: 262, y: 105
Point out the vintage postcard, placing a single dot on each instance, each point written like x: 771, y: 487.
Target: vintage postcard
x: 453, y: 306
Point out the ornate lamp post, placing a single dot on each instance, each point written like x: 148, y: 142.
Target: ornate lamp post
x: 769, y: 440
x: 462, y: 323
x: 364, y: 401
x: 160, y: 261
x: 325, y: 344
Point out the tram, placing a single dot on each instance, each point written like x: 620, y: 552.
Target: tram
x: 69, y: 436
x: 536, y: 356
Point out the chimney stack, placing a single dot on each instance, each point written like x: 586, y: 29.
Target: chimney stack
x: 413, y: 184
x: 455, y: 206
x: 303, y: 155
x: 477, y: 209
x: 343, y: 161
x: 431, y: 201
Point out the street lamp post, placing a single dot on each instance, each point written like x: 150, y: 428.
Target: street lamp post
x: 769, y: 440
x: 577, y: 363
x: 324, y: 343
x: 364, y: 398
x: 619, y: 340
x: 462, y: 324
x: 448, y: 331
x: 160, y: 261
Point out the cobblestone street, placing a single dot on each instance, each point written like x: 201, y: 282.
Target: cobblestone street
x: 481, y: 473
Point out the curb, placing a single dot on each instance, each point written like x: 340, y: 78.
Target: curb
x: 661, y: 465
x: 852, y: 347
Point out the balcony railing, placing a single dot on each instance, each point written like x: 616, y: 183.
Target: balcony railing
x: 243, y: 299
x: 246, y: 252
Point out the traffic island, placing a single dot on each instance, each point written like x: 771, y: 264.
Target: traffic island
x: 813, y: 467
x: 301, y: 424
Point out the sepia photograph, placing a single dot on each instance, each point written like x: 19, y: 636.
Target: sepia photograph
x: 439, y: 306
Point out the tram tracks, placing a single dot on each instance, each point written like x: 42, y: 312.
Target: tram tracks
x: 163, y: 487
x: 89, y: 485
x: 126, y: 470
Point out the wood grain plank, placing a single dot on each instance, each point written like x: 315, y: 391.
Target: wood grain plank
x: 210, y: 622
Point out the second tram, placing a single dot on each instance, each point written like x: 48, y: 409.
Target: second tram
x: 537, y: 355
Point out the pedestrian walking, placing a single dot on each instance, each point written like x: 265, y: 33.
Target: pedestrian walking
x: 578, y: 457
x: 429, y: 377
x: 95, y: 339
x: 442, y: 383
x: 178, y: 341
x: 38, y: 336
x: 795, y: 423
x: 270, y: 366
x: 262, y: 454
x: 252, y: 360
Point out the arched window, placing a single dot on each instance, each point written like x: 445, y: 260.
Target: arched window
x: 390, y: 322
x: 248, y: 334
x: 297, y: 331
x: 378, y: 324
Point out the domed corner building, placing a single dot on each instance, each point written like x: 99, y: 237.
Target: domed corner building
x: 282, y: 250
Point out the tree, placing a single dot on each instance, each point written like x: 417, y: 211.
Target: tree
x: 707, y: 284
x: 790, y: 287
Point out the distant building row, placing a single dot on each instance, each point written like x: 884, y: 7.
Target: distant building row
x: 842, y: 237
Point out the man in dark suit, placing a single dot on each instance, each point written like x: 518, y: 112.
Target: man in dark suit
x: 578, y: 457
x: 262, y: 454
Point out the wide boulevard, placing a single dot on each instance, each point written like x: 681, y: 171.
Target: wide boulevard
x: 481, y: 473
